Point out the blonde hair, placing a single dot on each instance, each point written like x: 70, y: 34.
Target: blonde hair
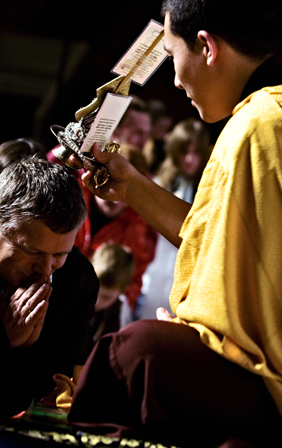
x: 114, y: 265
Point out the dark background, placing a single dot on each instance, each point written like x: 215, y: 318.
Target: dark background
x: 54, y: 54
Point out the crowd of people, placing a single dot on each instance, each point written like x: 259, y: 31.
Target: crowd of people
x: 163, y: 286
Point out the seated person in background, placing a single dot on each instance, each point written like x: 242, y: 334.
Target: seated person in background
x: 187, y: 149
x: 48, y: 288
x: 14, y: 149
x: 114, y: 265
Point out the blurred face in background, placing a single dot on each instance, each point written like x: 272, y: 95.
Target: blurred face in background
x: 110, y: 209
x: 135, y: 129
x: 161, y: 128
x: 190, y: 160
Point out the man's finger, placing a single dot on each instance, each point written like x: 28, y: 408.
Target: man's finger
x: 30, y: 287
x: 37, y: 328
x: 34, y: 315
x: 34, y: 295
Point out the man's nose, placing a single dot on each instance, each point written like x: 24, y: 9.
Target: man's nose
x: 44, y: 264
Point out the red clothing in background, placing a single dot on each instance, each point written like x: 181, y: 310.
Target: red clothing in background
x: 132, y: 231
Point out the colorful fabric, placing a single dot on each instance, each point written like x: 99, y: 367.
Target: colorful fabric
x: 61, y: 396
x: 47, y: 423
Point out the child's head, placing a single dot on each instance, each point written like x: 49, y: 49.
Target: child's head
x: 114, y: 265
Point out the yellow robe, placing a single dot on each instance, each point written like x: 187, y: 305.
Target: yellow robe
x: 228, y: 272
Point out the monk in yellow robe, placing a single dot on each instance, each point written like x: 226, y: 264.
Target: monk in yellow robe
x: 213, y: 370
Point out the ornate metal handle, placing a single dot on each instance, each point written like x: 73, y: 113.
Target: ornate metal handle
x: 71, y: 139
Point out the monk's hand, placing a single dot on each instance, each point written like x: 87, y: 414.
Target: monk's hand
x: 121, y: 175
x: 163, y: 314
x: 23, y: 311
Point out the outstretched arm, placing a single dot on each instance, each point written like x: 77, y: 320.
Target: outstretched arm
x: 161, y: 209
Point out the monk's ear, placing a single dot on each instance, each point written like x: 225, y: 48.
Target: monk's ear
x: 209, y: 46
